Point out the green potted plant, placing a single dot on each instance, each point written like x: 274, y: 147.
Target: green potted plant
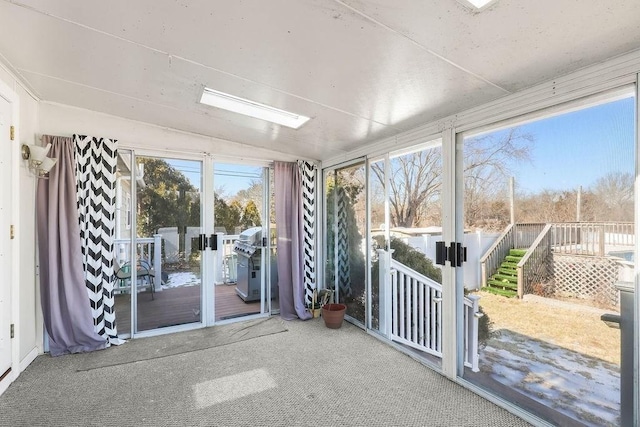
x: 318, y: 300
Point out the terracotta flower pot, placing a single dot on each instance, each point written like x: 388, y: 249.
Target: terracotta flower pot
x: 333, y: 315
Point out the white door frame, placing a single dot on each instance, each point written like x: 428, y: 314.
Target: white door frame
x: 205, y: 279
x: 209, y: 223
x: 14, y: 245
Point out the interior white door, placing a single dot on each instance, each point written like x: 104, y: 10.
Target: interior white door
x: 5, y: 239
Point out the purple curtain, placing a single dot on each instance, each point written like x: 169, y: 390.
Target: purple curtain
x: 289, y: 226
x: 65, y: 302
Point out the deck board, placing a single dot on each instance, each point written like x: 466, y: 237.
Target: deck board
x: 177, y: 306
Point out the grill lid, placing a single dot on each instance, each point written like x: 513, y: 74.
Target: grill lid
x: 251, y: 236
x: 249, y: 241
x: 243, y: 248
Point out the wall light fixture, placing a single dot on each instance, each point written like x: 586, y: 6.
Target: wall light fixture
x: 37, y: 159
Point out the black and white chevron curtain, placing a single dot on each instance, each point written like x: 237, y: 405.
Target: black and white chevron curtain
x: 96, y: 161
x: 343, y: 267
x: 308, y: 182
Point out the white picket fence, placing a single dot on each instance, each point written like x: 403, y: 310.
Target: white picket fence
x: 414, y: 306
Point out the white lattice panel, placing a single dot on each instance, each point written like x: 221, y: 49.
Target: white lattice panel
x: 586, y: 277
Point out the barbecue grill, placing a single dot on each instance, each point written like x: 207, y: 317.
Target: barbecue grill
x: 249, y: 250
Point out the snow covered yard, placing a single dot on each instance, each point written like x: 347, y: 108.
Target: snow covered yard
x: 558, y: 353
x: 580, y: 386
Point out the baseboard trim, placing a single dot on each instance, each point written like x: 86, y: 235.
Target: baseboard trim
x: 30, y: 357
x: 7, y: 380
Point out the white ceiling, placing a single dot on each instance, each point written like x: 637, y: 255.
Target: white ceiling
x: 362, y: 69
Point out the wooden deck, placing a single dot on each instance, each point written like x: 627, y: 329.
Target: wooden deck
x: 230, y: 305
x: 178, y: 306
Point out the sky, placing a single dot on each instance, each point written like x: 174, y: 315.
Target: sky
x: 577, y: 148
x: 228, y: 178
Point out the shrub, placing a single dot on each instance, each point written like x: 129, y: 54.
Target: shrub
x: 414, y: 259
x: 485, y: 328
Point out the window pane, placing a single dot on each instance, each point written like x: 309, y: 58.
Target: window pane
x: 345, y: 247
x: 545, y: 279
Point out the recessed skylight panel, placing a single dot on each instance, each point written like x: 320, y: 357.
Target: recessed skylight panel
x: 250, y: 108
x: 477, y: 4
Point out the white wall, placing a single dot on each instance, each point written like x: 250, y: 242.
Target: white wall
x: 28, y: 319
x: 63, y: 120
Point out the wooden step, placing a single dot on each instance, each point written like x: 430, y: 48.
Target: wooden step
x: 502, y: 292
x: 506, y: 264
x: 503, y: 277
x: 508, y: 272
x: 513, y: 259
x: 502, y: 285
x: 518, y: 252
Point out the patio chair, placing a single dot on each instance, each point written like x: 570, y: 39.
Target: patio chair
x: 144, y: 274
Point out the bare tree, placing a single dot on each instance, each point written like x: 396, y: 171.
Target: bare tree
x: 416, y: 182
x: 614, y: 193
x: 416, y: 179
x: 487, y: 161
x: 548, y: 206
x: 609, y: 199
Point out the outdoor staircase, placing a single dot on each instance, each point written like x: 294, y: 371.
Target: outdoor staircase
x: 505, y: 281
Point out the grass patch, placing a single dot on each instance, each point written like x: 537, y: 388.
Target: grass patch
x: 578, y: 330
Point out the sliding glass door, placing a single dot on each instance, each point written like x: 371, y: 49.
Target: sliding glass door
x: 246, y: 276
x: 161, y: 245
x: 158, y: 262
x: 506, y: 258
x: 405, y: 211
x: 346, y: 246
x: 549, y: 228
x: 168, y: 258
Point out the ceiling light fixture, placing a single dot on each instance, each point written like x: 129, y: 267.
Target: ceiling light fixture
x: 478, y: 4
x: 251, y: 108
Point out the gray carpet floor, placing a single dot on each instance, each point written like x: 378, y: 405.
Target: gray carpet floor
x: 173, y: 344
x: 303, y: 375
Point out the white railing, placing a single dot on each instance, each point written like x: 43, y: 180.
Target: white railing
x: 411, y: 311
x: 591, y: 238
x: 471, y: 321
x: 494, y: 256
x: 226, y: 259
x: 148, y: 250
x: 531, y: 267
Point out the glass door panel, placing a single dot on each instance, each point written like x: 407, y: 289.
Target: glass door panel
x: 378, y: 241
x: 549, y: 226
x: 166, y: 258
x: 412, y: 225
x: 122, y: 243
x: 239, y: 218
x: 345, y: 245
x: 272, y: 272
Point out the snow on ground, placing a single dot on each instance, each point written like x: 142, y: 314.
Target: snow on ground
x: 579, y: 386
x: 181, y: 278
